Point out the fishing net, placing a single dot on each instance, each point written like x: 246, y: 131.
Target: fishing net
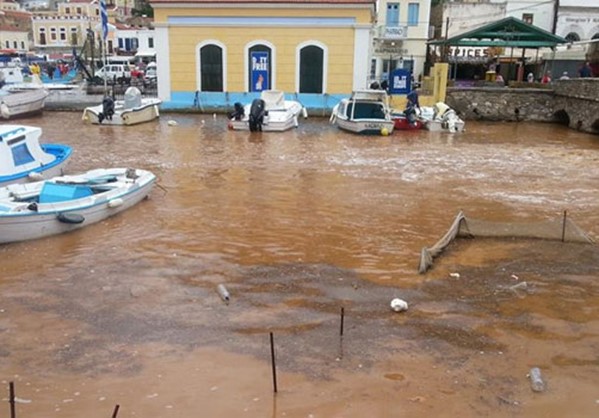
x: 560, y: 228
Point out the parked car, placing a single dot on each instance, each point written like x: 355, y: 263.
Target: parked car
x: 120, y: 73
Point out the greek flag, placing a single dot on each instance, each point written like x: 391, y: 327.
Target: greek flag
x: 104, y: 16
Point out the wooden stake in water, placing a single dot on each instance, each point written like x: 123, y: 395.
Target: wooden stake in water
x: 116, y: 411
x: 342, y: 317
x: 11, y: 399
x: 564, y: 227
x: 274, y: 366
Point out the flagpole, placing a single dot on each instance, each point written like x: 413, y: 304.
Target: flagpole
x: 104, y: 17
x: 105, y: 78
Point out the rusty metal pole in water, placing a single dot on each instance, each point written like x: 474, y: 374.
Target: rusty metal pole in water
x: 342, y: 316
x: 11, y: 399
x: 274, y: 366
x: 116, y: 411
x: 564, y: 227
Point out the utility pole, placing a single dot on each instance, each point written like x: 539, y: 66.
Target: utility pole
x: 445, y: 46
x: 555, y: 13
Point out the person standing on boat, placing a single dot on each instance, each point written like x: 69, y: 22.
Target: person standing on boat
x: 384, y: 85
x: 412, y: 107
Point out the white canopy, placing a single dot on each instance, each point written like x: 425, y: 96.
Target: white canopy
x: 20, y: 150
x: 145, y: 53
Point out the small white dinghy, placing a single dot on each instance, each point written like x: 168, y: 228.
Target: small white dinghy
x: 365, y: 112
x: 22, y: 103
x: 132, y: 110
x: 270, y: 113
x: 23, y: 159
x: 61, y: 204
x: 441, y: 118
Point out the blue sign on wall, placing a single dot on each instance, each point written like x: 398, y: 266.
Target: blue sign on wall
x: 401, y: 81
x: 260, y: 75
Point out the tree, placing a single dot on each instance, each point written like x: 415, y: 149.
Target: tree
x: 143, y: 9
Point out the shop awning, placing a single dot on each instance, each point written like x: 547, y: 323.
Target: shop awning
x: 145, y: 53
x: 508, y: 32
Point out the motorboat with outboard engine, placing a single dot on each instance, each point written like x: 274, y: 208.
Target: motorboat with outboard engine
x: 23, y: 159
x: 271, y: 112
x: 62, y: 204
x: 365, y: 112
x: 132, y: 110
x: 441, y: 118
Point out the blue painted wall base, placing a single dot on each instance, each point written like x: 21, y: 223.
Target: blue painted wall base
x: 317, y: 104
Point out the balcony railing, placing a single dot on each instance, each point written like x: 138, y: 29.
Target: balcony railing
x: 392, y: 32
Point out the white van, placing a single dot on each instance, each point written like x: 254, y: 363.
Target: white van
x: 115, y: 72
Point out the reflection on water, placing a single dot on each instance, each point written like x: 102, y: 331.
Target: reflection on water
x: 297, y: 225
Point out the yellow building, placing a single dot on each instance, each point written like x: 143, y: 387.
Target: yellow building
x: 213, y: 53
x: 59, y: 31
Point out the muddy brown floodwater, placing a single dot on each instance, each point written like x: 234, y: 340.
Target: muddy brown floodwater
x: 297, y: 226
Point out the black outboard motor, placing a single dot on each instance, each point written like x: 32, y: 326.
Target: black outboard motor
x: 107, y: 109
x: 257, y: 114
x: 238, y: 113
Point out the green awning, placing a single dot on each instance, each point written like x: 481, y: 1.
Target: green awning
x: 509, y: 32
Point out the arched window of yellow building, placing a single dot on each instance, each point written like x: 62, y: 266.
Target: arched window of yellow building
x: 211, y: 68
x: 311, y: 69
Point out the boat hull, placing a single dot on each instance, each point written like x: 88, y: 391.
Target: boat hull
x: 21, y: 104
x: 275, y: 121
x: 267, y: 126
x: 15, y: 227
x: 365, y: 126
x: 147, y: 112
x: 440, y: 126
x: 401, y: 123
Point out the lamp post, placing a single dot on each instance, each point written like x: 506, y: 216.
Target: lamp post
x: 390, y: 59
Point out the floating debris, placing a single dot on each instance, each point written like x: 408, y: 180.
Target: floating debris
x: 223, y: 292
x: 399, y: 305
x: 536, y: 380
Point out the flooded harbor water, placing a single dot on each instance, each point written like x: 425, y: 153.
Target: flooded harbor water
x: 298, y: 225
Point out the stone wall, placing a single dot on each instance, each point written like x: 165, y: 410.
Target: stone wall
x: 577, y: 103
x: 505, y: 104
x: 572, y: 102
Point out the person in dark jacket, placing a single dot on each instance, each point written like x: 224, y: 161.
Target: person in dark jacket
x: 586, y: 70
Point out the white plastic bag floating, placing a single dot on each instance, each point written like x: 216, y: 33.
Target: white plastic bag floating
x: 399, y: 305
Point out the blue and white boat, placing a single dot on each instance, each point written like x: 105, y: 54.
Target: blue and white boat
x: 365, y: 112
x: 23, y: 159
x: 62, y: 204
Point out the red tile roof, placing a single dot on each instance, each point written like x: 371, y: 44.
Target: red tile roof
x: 12, y: 28
x: 265, y: 1
x: 17, y: 14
